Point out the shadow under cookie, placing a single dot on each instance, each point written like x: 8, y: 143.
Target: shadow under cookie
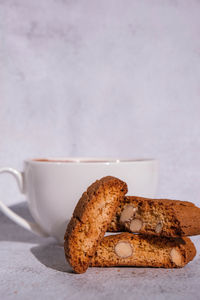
x: 52, y: 256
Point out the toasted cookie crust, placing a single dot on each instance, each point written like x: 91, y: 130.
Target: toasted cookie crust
x: 127, y: 249
x: 90, y: 220
x: 161, y: 217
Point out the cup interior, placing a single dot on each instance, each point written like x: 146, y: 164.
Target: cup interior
x: 88, y: 160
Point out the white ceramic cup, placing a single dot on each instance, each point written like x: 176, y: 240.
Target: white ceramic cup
x: 54, y: 186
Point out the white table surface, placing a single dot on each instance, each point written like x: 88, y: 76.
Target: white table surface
x: 34, y: 267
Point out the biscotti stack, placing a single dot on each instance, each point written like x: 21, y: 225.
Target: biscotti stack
x: 153, y: 231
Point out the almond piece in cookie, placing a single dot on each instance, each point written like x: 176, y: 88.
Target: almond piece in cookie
x: 127, y: 249
x: 127, y: 214
x: 158, y: 228
x: 123, y: 249
x: 90, y: 220
x: 127, y: 219
x: 135, y: 225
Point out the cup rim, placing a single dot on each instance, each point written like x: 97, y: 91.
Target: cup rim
x: 88, y: 160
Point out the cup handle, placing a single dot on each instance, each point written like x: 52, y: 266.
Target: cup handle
x: 33, y: 227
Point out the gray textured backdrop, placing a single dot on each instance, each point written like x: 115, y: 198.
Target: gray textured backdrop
x: 102, y: 78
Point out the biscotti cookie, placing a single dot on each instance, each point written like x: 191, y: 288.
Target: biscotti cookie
x: 127, y: 249
x: 160, y: 217
x: 90, y: 220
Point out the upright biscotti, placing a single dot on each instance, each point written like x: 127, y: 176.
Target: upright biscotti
x: 161, y: 217
x: 128, y: 249
x: 90, y: 220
